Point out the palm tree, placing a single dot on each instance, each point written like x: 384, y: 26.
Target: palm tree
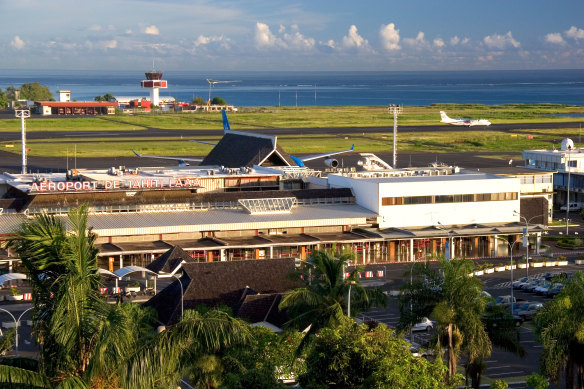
x: 560, y: 330
x: 323, y: 300
x: 455, y: 300
x: 86, y: 342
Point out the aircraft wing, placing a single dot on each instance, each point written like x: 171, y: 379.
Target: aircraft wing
x: 300, y: 160
x: 202, y: 141
x: 178, y: 159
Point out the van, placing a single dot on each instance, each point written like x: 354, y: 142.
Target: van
x: 573, y: 207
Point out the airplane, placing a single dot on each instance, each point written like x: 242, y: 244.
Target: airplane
x: 463, y: 122
x: 329, y: 161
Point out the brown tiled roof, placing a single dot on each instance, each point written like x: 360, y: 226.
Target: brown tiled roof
x: 227, y: 283
x: 169, y: 261
x: 262, y: 307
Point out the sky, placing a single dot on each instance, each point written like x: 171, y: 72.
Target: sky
x: 302, y: 35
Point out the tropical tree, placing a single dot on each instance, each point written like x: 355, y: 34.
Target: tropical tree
x: 218, y: 101
x: 455, y: 300
x: 35, y: 91
x: 86, y: 342
x: 198, y: 100
x: 322, y: 302
x: 503, y: 333
x: 559, y: 326
x: 357, y: 356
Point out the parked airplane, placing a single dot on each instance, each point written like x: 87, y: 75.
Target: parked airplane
x: 463, y: 122
x: 329, y: 161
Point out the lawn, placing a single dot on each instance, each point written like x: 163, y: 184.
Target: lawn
x: 299, y: 117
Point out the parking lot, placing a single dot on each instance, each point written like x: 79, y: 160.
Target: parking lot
x: 501, y: 364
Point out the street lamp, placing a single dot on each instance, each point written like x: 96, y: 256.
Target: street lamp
x: 527, y: 235
x: 449, y: 245
x: 16, y: 324
x: 511, y: 245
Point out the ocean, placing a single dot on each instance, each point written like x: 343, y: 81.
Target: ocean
x: 419, y: 88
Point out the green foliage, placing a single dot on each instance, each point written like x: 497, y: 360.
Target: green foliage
x: 3, y: 99
x: 198, y: 100
x: 352, y: 356
x: 14, y: 291
x: 499, y: 384
x: 261, y: 363
x: 106, y: 97
x: 558, y: 326
x: 218, y: 101
x: 537, y: 381
x: 322, y: 302
x: 35, y: 91
x: 86, y: 342
x: 454, y: 300
x: 7, y: 341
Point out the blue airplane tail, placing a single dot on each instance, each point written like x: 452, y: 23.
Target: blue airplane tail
x: 225, y: 121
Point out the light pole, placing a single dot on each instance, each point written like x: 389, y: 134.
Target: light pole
x: 394, y: 110
x: 348, y: 263
x: 527, y: 236
x: 182, y: 312
x: 449, y: 243
x: 511, y: 245
x: 23, y: 114
x: 16, y: 324
x: 568, y: 191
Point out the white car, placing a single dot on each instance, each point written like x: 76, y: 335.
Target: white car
x: 424, y: 325
x: 573, y: 207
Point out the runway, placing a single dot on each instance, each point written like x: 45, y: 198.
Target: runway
x: 12, y: 162
x: 164, y: 132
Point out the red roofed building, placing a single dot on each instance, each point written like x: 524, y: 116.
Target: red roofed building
x: 76, y: 107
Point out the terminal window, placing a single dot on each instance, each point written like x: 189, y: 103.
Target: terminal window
x: 453, y: 198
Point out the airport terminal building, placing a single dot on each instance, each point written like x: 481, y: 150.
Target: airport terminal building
x: 217, y: 213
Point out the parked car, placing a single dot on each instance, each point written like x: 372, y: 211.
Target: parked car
x: 505, y: 301
x: 542, y: 288
x: 519, y: 283
x: 554, y: 290
x: 530, y: 311
x: 532, y: 285
x: 518, y: 305
x: 573, y: 207
x: 424, y: 325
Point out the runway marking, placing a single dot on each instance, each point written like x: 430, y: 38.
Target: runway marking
x: 498, y: 367
x: 92, y: 134
x: 510, y: 372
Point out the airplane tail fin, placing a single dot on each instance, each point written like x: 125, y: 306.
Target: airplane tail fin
x: 444, y: 116
x: 226, y: 125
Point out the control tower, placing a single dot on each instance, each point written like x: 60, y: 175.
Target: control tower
x: 154, y: 82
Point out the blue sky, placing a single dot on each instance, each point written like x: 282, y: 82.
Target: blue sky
x: 292, y: 35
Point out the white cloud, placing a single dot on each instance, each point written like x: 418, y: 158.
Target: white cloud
x: 110, y: 44
x: 95, y: 27
x: 152, y: 30
x: 417, y: 41
x: 454, y: 40
x: 555, y: 38
x: 330, y: 43
x: 281, y: 29
x: 575, y: 33
x: 439, y: 42
x: 389, y: 37
x: 500, y: 42
x: 353, y: 39
x: 263, y: 36
x: 17, y: 43
x: 298, y: 41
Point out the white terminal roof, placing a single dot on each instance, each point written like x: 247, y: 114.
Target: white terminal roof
x: 115, y: 224
x: 418, y: 175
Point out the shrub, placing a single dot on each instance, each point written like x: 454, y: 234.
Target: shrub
x: 537, y: 381
x: 218, y: 101
x: 499, y: 384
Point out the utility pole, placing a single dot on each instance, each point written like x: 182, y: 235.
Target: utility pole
x: 395, y: 110
x: 23, y: 114
x: 568, y: 192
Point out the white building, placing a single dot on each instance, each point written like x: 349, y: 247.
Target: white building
x: 433, y: 196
